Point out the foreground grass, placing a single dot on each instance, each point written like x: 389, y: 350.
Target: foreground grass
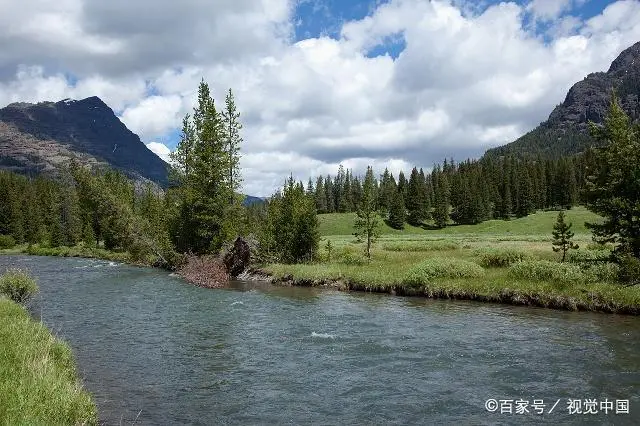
x: 423, y: 262
x: 38, y: 382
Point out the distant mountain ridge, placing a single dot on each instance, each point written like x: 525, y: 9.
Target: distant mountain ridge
x: 39, y: 138
x: 566, y: 130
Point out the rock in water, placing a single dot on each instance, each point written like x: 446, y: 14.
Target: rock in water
x: 238, y: 257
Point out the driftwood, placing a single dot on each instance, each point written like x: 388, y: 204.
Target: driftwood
x: 238, y: 257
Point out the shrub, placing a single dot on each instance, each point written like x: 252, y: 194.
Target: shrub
x: 602, y: 272
x: 629, y: 269
x: 583, y: 256
x: 18, y: 285
x: 350, y: 255
x: 437, y: 245
x: 500, y: 257
x: 7, y: 242
x: 544, y: 270
x: 600, y: 246
x: 426, y: 271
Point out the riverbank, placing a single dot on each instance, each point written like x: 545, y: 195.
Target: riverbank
x: 38, y: 379
x: 510, y: 262
x: 494, y: 288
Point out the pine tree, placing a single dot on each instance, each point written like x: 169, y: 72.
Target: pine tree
x: 206, y: 162
x: 320, y: 196
x: 613, y: 183
x: 232, y: 140
x: 366, y: 224
x: 397, y: 212
x: 562, y: 236
x: 525, y: 196
x: 415, y: 201
x: 442, y: 196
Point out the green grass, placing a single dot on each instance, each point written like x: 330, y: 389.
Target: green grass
x: 497, y: 245
x: 76, y: 251
x: 38, y: 381
x: 536, y: 224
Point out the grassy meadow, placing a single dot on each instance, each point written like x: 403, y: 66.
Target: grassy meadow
x: 499, y: 261
x: 38, y: 382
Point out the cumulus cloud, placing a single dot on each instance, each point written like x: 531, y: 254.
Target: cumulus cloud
x: 468, y: 78
x: 161, y: 150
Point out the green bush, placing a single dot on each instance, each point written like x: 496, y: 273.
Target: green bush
x: 544, y: 270
x: 500, y: 257
x: 7, y: 242
x: 426, y: 271
x: 584, y: 256
x: 18, y: 285
x: 350, y: 255
x: 629, y: 269
x: 602, y: 272
x: 437, y: 245
x: 599, y: 246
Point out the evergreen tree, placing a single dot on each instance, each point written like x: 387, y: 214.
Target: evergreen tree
x: 206, y: 162
x: 562, y: 236
x: 366, y: 224
x: 415, y: 202
x: 397, y: 212
x: 232, y: 140
x: 525, y: 197
x: 403, y: 185
x: 320, y: 196
x: 442, y: 196
x: 613, y: 182
x: 293, y: 224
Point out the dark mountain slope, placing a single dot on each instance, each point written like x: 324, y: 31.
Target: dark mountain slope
x: 38, y: 138
x: 566, y: 130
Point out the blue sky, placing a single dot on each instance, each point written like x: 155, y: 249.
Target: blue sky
x: 316, y: 18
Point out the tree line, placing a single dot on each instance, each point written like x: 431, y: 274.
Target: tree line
x: 464, y: 193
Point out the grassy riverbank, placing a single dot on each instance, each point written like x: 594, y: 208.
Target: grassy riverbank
x: 497, y: 261
x: 38, y: 382
x: 76, y: 251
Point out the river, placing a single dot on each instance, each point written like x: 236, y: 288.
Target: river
x: 154, y: 350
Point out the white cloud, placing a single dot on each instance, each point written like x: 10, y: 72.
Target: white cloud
x: 161, y: 150
x: 468, y: 78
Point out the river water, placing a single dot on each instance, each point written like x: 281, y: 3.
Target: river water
x: 154, y: 350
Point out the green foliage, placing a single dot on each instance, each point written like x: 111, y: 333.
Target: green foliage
x: 350, y: 255
x: 7, y: 242
x: 291, y: 234
x: 613, y: 182
x: 207, y: 174
x: 329, y: 248
x: 589, y: 256
x: 562, y: 236
x: 420, y: 246
x: 544, y: 270
x: 18, y: 285
x: 397, y: 212
x: 602, y: 272
x: 492, y: 257
x: 629, y: 269
x: 416, y: 202
x: 38, y: 380
x: 428, y: 270
x: 366, y: 224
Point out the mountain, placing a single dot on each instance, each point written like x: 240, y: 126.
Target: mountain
x: 39, y: 138
x: 566, y: 131
x: 250, y: 200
